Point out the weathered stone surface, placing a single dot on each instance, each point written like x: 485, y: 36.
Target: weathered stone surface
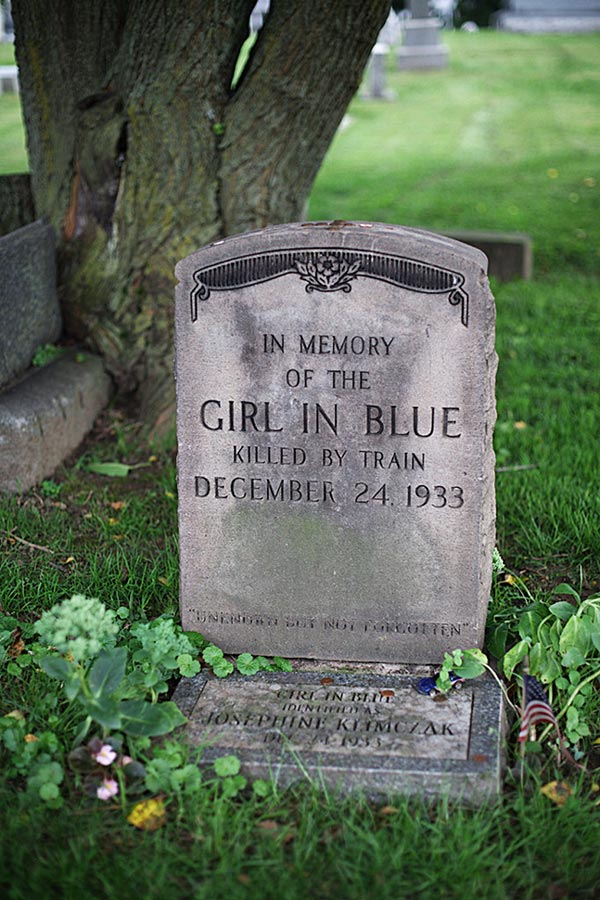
x: 29, y: 308
x: 509, y: 253
x: 335, y: 390
x: 351, y: 731
x: 422, y: 47
x: 16, y: 202
x: 45, y: 416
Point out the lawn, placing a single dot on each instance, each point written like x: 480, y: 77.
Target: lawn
x: 507, y: 139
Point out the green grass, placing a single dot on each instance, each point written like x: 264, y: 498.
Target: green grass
x: 13, y: 153
x: 508, y: 138
x: 302, y: 844
x: 7, y: 53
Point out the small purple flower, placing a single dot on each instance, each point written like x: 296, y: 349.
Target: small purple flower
x: 109, y: 788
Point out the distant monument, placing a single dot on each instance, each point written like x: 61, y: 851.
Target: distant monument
x: 422, y: 47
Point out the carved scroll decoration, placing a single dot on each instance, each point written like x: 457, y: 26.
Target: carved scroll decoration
x: 326, y: 271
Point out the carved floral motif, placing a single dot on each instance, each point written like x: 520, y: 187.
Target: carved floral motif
x: 327, y: 272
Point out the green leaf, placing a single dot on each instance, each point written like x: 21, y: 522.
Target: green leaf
x: 212, y: 655
x: 473, y: 664
x: 247, y: 665
x: 49, y: 791
x: 551, y: 636
x: 567, y: 589
x: 142, y: 719
x: 227, y: 765
x: 283, y: 665
x: 81, y: 761
x: 188, y: 666
x: 196, y: 639
x: 550, y: 668
x: 575, y: 634
x: 110, y: 469
x: 514, y: 656
x: 562, y: 610
x: 572, y: 717
x: 56, y: 667
x: 261, y: 787
x: 233, y: 785
x: 443, y: 680
x: 457, y: 657
x: 223, y: 668
x: 529, y: 622
x: 537, y: 656
x: 573, y: 658
x: 102, y: 710
x: 108, y: 671
x: 134, y: 770
x: 496, y: 639
x: 264, y: 665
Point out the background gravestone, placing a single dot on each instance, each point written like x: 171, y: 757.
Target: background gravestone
x: 45, y: 412
x: 335, y: 387
x: 422, y: 47
x: 29, y: 307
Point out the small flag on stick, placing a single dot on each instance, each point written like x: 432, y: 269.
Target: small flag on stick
x: 535, y: 708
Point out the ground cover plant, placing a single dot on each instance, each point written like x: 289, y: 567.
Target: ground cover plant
x: 506, y: 139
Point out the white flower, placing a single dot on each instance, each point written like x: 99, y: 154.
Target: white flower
x: 105, y: 755
x: 109, y: 788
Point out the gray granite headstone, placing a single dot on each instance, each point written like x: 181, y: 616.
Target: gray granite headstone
x: 29, y: 308
x: 335, y: 390
x: 422, y: 47
x: 351, y: 731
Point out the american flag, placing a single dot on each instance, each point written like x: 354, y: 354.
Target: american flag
x: 537, y: 709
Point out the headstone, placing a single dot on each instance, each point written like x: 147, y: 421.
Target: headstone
x: 9, y: 79
x: 351, y: 731
x: 29, y: 308
x: 509, y: 253
x: 335, y: 390
x: 376, y: 74
x: 44, y: 412
x: 422, y: 47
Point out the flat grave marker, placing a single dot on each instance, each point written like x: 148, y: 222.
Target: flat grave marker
x: 369, y: 732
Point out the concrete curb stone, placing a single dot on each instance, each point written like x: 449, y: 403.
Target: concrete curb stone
x: 46, y: 415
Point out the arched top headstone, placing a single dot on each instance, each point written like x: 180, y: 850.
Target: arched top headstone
x: 335, y: 390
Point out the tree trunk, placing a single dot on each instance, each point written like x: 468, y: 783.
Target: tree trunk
x: 141, y: 151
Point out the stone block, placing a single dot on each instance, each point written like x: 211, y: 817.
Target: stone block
x: 29, y: 308
x: 510, y: 254
x: 45, y: 416
x: 335, y: 390
x: 352, y: 732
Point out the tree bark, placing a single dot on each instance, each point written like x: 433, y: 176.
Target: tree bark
x: 141, y: 151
